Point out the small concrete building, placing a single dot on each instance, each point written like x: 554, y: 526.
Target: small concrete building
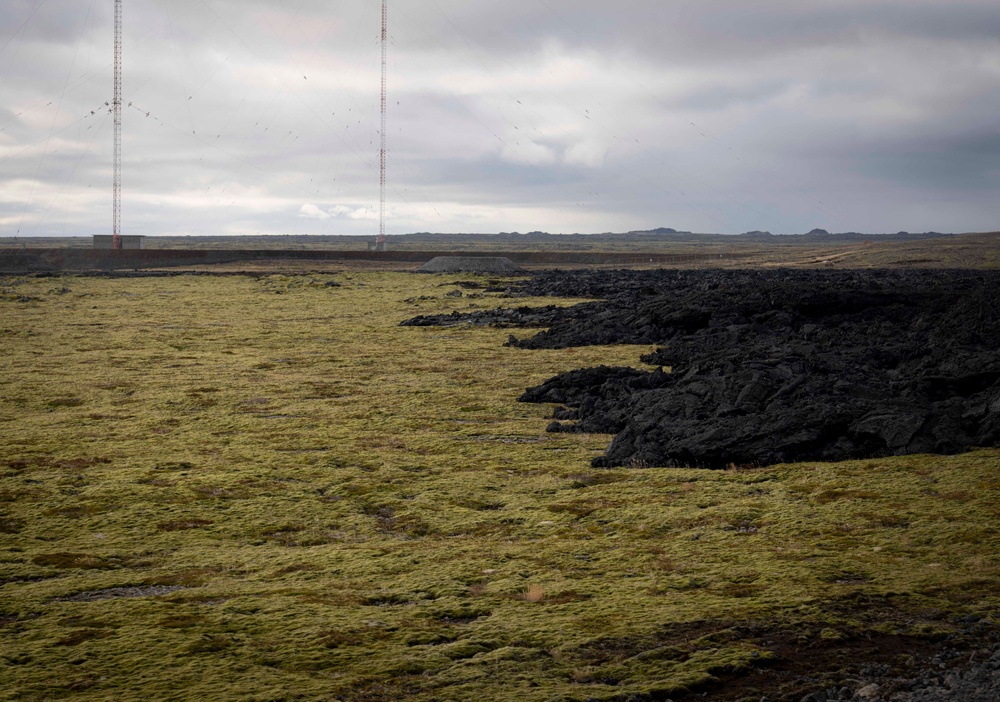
x: 129, y: 241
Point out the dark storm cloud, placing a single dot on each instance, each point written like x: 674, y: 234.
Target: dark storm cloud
x: 950, y: 163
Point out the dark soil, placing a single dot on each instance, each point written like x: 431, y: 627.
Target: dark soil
x: 774, y: 366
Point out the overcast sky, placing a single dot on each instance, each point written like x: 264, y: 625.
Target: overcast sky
x: 262, y: 116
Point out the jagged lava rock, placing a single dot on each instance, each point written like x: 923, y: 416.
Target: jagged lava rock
x: 777, y: 366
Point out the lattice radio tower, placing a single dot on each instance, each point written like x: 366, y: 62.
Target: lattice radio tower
x: 381, y: 219
x: 116, y: 186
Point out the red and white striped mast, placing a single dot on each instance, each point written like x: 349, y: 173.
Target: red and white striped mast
x: 117, y: 109
x: 381, y: 224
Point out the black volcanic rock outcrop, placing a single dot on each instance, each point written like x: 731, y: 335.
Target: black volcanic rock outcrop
x: 523, y: 317
x: 777, y: 366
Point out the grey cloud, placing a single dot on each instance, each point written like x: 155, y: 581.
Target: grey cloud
x: 713, y: 31
x: 715, y: 98
x: 947, y: 163
x: 705, y: 115
x: 26, y: 23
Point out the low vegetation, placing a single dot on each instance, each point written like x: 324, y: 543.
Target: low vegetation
x: 263, y: 488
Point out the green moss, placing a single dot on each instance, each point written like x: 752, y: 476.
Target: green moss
x: 354, y: 509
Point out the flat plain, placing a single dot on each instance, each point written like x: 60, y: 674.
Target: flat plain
x: 261, y: 487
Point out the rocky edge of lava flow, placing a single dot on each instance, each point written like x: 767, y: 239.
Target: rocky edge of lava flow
x: 762, y: 367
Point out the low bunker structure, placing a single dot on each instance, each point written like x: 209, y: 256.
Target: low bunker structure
x: 492, y: 265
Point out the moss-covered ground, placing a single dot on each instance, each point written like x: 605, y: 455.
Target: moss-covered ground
x: 263, y: 488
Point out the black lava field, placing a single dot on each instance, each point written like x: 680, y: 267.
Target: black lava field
x: 762, y: 367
